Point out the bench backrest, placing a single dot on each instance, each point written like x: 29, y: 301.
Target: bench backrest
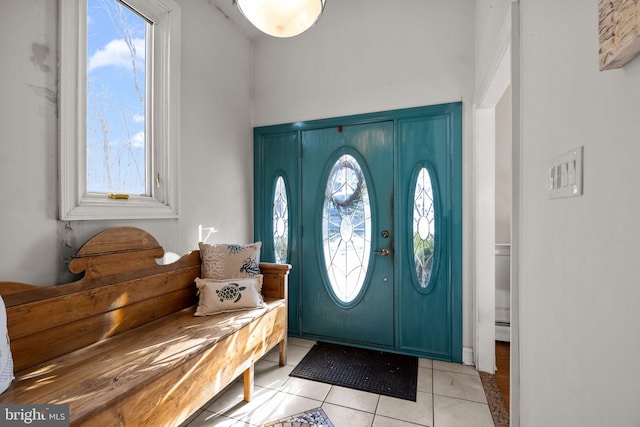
x: 123, y: 287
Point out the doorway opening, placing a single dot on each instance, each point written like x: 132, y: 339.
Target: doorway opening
x: 503, y: 72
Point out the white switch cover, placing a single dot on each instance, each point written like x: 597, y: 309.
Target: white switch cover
x: 565, y: 175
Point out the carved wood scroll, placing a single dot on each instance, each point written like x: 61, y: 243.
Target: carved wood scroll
x: 619, y: 32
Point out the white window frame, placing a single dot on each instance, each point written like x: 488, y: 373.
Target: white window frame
x: 75, y: 202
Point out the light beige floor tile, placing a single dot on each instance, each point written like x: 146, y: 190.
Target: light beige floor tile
x: 460, y: 386
x: 230, y: 396
x: 356, y: 399
x: 425, y: 363
x: 295, y: 354
x: 273, y: 355
x: 191, y: 418
x: 380, y: 421
x: 306, y: 388
x: 418, y: 412
x: 300, y: 342
x: 271, y: 375
x: 425, y: 380
x: 208, y: 419
x: 232, y: 405
x: 341, y: 416
x: 458, y: 398
x: 455, y: 367
x: 283, y: 405
x: 449, y: 412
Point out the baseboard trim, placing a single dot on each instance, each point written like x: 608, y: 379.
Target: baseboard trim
x: 467, y: 356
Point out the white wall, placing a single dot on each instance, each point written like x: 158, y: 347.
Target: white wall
x: 580, y: 289
x: 503, y: 168
x: 365, y: 57
x: 490, y: 27
x: 216, y: 150
x: 361, y: 58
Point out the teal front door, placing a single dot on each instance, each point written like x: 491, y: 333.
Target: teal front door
x: 347, y: 219
x: 374, y: 227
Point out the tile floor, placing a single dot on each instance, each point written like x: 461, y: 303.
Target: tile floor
x: 449, y: 395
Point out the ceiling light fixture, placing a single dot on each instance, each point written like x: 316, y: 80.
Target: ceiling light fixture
x: 281, y: 18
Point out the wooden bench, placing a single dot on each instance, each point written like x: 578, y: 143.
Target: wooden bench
x: 122, y: 346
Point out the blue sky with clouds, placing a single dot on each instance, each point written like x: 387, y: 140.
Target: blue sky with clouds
x: 115, y: 110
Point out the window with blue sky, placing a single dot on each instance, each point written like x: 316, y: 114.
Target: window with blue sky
x: 116, y: 99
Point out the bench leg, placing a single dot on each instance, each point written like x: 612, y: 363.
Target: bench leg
x: 248, y: 383
x: 283, y: 352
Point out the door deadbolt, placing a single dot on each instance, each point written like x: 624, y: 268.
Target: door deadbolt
x: 385, y: 234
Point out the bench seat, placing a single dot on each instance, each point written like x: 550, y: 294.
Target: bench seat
x: 135, y: 370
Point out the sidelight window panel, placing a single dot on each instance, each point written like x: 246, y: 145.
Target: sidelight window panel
x: 424, y: 228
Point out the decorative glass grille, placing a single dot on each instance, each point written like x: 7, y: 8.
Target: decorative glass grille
x: 423, y: 228
x: 280, y: 221
x: 346, y: 228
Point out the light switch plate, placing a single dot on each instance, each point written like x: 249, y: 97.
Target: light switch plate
x: 565, y: 174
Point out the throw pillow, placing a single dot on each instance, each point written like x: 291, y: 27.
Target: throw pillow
x: 6, y: 360
x: 218, y: 296
x: 227, y: 261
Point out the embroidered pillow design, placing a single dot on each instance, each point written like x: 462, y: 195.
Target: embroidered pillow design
x: 231, y: 291
x: 228, y: 261
x: 218, y: 296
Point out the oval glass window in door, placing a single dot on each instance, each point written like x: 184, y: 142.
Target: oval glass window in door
x: 280, y: 221
x: 424, y: 228
x: 346, y: 229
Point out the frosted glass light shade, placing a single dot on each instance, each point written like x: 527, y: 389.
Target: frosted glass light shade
x: 281, y: 18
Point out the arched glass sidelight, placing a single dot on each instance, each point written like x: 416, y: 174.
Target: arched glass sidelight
x: 280, y: 221
x: 424, y: 228
x: 346, y: 228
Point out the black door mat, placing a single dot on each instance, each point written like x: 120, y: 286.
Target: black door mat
x: 378, y: 372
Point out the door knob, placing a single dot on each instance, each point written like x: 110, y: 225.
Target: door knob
x: 383, y: 252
